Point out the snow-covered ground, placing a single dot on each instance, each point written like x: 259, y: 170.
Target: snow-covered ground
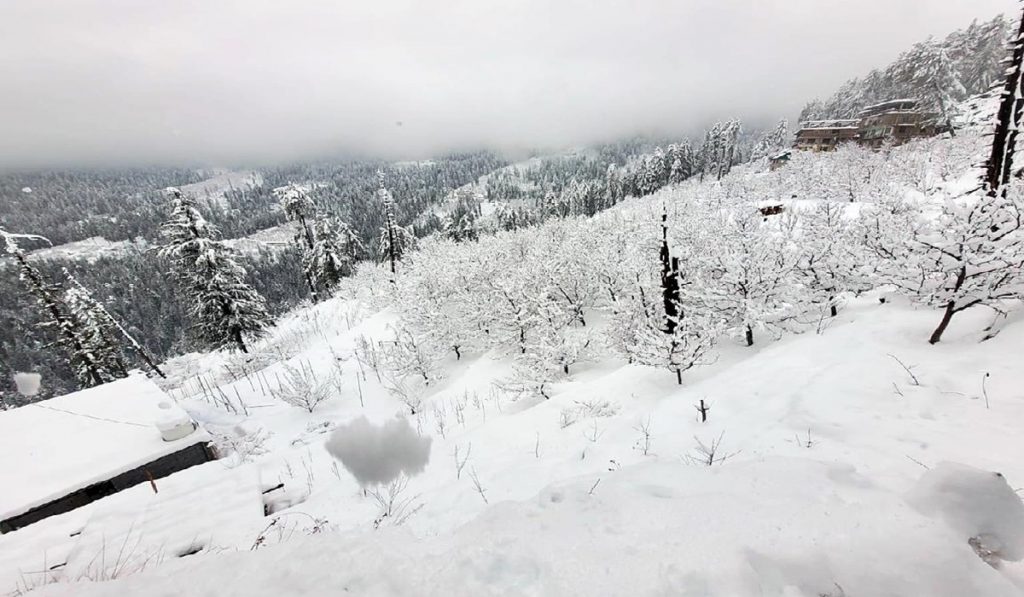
x: 275, y: 237
x: 825, y: 439
x: 213, y: 189
x: 88, y: 249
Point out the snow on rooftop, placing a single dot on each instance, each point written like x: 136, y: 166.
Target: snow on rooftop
x: 58, y: 446
x: 830, y: 124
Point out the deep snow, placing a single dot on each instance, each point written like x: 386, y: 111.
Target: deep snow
x: 822, y: 494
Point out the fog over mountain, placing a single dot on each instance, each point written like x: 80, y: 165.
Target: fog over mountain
x: 124, y: 82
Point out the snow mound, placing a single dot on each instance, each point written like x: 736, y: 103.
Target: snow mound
x: 980, y: 506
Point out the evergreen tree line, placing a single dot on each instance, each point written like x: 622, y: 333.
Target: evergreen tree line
x: 585, y: 185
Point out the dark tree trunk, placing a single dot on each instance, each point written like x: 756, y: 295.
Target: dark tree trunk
x: 391, y: 249
x: 679, y: 376
x: 306, y: 232
x: 947, y: 316
x: 312, y: 288
x: 146, y: 358
x: 458, y: 354
x: 669, y: 280
x: 236, y: 335
x: 833, y: 310
x: 749, y: 335
x: 999, y: 165
x: 950, y: 309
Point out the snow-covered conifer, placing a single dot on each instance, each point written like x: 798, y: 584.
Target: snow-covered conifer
x: 328, y: 260
x: 99, y: 335
x: 114, y: 327
x: 88, y: 367
x: 395, y: 240
x: 653, y: 327
x: 225, y: 310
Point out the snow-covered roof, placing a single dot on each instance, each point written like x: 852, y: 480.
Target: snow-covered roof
x: 58, y: 446
x: 829, y: 124
x: 896, y: 105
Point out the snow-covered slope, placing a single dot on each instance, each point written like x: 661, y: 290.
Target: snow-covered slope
x: 214, y: 188
x: 825, y: 435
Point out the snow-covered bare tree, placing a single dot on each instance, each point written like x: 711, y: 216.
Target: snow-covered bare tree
x: 747, y: 277
x: 225, y: 310
x: 972, y: 253
x: 830, y: 258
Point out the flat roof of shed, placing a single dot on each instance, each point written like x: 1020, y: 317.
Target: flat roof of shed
x: 58, y: 446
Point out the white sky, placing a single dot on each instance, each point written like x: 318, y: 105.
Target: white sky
x: 226, y: 81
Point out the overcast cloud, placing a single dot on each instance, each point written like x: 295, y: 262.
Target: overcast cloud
x: 229, y: 81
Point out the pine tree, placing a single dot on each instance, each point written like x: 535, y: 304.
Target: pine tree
x: 100, y: 313
x: 225, y: 309
x: 395, y: 241
x: 328, y: 260
x: 772, y: 142
x: 95, y: 329
x: 298, y: 207
x: 88, y: 368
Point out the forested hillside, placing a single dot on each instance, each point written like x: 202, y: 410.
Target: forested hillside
x: 939, y: 72
x: 443, y: 196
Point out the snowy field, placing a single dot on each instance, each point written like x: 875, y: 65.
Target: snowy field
x: 214, y: 188
x: 88, y: 249
x: 831, y: 479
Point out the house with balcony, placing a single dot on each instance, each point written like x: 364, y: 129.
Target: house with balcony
x: 825, y: 135
x: 895, y: 121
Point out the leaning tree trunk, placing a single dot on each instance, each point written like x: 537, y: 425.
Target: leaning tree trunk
x: 950, y: 308
x: 947, y: 316
x: 38, y: 285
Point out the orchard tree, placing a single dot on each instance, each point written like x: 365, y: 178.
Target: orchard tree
x: 829, y: 257
x: 747, y: 276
